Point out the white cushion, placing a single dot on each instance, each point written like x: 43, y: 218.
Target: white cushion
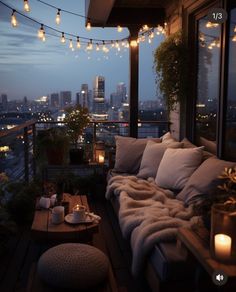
x: 176, y: 166
x: 129, y: 153
x: 167, y: 138
x: 152, y: 156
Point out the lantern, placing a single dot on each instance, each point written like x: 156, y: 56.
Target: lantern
x: 99, y: 152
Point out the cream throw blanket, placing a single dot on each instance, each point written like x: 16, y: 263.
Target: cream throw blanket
x: 147, y: 215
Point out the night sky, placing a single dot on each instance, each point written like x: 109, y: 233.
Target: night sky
x: 29, y: 67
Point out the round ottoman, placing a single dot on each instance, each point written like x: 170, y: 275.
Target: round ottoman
x: 73, y: 266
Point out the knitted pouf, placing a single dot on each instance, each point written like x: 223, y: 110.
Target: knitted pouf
x: 73, y: 266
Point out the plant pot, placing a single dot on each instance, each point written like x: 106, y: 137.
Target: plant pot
x: 55, y: 156
x: 223, y: 235
x: 76, y: 156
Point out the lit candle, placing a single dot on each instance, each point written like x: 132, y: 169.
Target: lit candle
x: 101, y: 159
x: 223, y: 246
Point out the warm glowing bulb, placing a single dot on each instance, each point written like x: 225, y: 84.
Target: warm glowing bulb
x: 26, y: 6
x: 119, y: 28
x: 145, y: 27
x: 58, y: 17
x: 40, y: 32
x: 149, y: 40
x: 234, y: 39
x: 78, y: 43
x: 88, y: 26
x: 14, y: 21
x: 97, y: 47
x: 151, y: 35
x: 210, y: 47
x: 133, y: 43
x: 44, y: 37
x: 235, y: 28
x: 63, y: 40
x: 71, y: 44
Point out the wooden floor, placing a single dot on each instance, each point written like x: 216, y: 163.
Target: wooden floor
x: 17, y: 264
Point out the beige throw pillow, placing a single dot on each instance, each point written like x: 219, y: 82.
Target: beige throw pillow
x: 152, y: 156
x: 176, y: 166
x: 129, y: 153
x: 167, y: 138
x: 204, y: 179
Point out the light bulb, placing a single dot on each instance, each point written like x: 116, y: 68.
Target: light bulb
x: 58, y: 17
x: 235, y: 28
x: 14, y: 21
x: 40, y: 32
x: 71, y: 44
x: 78, y: 43
x: 119, y: 28
x: 97, y: 47
x: 63, y: 40
x: 234, y: 38
x: 145, y: 27
x: 88, y: 26
x: 44, y: 37
x: 26, y: 6
x: 151, y: 35
x: 133, y: 43
x: 149, y: 40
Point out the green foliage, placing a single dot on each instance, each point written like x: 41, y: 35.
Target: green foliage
x: 170, y: 63
x: 21, y: 205
x: 76, y: 119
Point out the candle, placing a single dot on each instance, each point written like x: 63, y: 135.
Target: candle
x: 222, y: 246
x: 101, y: 159
x: 79, y: 213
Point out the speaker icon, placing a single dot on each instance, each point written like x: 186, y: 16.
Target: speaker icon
x: 219, y: 278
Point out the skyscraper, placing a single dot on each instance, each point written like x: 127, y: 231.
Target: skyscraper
x: 98, y: 95
x: 4, y: 102
x: 55, y: 100
x: 65, y: 98
x: 121, y: 91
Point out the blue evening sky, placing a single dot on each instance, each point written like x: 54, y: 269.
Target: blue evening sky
x: 29, y: 67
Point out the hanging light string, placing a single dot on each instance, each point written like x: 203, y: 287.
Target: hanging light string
x: 145, y: 31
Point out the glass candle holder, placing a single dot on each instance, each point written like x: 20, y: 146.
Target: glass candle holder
x: 223, y: 234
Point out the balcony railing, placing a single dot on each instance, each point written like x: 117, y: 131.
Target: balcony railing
x: 18, y: 145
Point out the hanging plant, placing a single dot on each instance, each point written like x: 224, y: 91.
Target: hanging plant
x: 170, y: 64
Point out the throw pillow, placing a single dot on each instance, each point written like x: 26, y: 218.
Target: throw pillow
x: 176, y: 166
x: 204, y: 179
x: 129, y: 153
x: 152, y: 156
x: 167, y: 138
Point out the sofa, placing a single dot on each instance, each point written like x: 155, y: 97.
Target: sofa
x: 153, y: 188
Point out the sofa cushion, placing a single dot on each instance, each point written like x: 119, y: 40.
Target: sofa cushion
x: 204, y: 179
x: 188, y: 144
x: 152, y: 156
x: 176, y: 166
x: 129, y: 153
x: 167, y: 138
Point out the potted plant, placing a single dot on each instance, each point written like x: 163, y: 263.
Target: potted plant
x: 53, y: 143
x: 76, y: 120
x: 170, y: 64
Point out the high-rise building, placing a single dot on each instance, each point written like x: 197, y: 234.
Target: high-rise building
x: 84, y: 97
x: 121, y: 91
x: 4, y: 102
x: 55, y: 100
x: 98, y: 95
x: 65, y: 98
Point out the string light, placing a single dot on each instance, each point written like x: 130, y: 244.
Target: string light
x: 145, y: 27
x: 44, y: 37
x: 88, y: 26
x: 133, y: 43
x: 235, y: 28
x: 14, y: 21
x: 97, y: 47
x: 26, y: 6
x: 63, y: 40
x: 78, y: 43
x: 119, y: 28
x: 90, y: 45
x: 41, y: 32
x: 211, y: 24
x: 71, y: 44
x: 58, y: 17
x: 234, y: 38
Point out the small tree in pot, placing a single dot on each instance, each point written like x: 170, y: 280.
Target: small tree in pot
x: 76, y: 120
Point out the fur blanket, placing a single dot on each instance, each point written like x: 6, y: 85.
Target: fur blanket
x: 147, y: 215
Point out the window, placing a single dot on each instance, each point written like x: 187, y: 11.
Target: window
x: 230, y: 129
x: 208, y: 77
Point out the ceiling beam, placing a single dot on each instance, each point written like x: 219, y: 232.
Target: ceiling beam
x: 97, y: 12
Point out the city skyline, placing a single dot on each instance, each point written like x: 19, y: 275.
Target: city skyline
x: 29, y: 67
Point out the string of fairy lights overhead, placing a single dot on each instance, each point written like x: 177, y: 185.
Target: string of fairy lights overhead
x: 75, y: 41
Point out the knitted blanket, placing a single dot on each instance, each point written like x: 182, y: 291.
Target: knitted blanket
x: 148, y: 214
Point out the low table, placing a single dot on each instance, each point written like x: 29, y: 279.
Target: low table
x: 43, y: 229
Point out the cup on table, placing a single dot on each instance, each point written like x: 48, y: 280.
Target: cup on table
x: 44, y: 202
x: 58, y: 214
x: 79, y: 213
x: 53, y: 200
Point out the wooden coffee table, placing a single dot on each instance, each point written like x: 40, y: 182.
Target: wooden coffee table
x: 42, y: 228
